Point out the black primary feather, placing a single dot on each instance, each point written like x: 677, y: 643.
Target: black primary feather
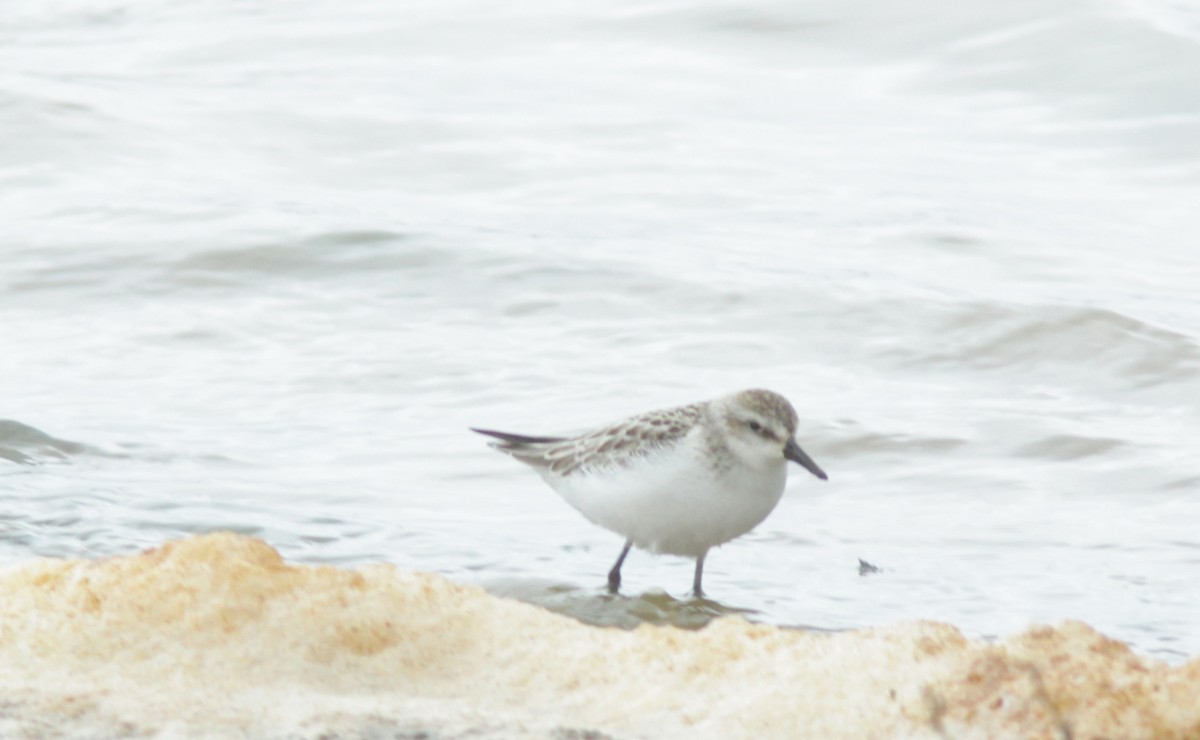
x: 517, y: 439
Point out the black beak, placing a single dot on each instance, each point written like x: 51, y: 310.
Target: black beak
x: 793, y: 452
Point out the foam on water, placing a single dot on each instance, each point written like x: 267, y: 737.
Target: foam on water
x: 217, y: 636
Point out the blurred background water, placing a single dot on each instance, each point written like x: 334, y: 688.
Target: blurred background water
x: 261, y: 264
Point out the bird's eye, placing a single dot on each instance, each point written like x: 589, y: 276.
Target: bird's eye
x: 755, y: 426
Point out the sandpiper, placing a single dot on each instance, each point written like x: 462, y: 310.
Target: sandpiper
x: 677, y: 481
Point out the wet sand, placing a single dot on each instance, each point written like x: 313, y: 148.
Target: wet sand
x: 216, y: 636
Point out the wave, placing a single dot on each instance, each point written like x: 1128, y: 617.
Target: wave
x: 1090, y: 340
x: 21, y: 443
x: 217, y: 636
x: 317, y: 256
x: 1069, y: 447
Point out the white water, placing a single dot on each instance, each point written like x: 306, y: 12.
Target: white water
x: 267, y: 262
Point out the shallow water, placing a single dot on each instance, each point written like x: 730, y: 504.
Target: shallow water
x: 262, y: 265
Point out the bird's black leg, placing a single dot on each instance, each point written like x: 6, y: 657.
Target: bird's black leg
x: 697, y: 591
x: 614, y: 575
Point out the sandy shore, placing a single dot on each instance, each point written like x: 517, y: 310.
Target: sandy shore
x: 215, y: 636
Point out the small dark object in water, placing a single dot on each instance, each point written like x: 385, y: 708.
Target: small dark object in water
x: 865, y: 568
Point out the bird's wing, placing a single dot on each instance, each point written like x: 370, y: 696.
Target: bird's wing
x: 615, y: 445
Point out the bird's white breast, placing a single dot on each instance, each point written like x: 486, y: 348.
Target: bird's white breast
x: 675, y: 500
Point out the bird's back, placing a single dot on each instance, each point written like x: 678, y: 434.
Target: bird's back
x: 615, y: 445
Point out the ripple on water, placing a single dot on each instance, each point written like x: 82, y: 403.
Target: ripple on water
x: 1068, y: 447
x: 882, y: 443
x: 23, y: 444
x: 317, y: 256
x: 995, y: 336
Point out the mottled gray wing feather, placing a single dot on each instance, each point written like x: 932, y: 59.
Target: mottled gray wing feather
x: 615, y: 445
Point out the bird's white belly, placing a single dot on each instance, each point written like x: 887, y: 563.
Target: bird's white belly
x: 673, y: 501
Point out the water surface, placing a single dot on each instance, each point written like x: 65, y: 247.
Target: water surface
x: 261, y: 266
